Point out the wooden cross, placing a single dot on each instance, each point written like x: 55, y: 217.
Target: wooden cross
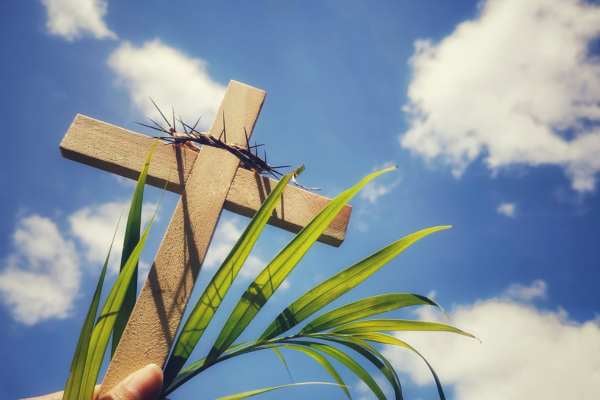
x: 208, y: 180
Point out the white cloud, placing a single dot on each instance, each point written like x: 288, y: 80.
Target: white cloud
x: 73, y: 19
x: 514, y: 85
x: 40, y: 279
x: 365, y: 213
x: 170, y: 77
x: 375, y: 190
x: 536, y: 290
x: 227, y: 233
x: 94, y: 227
x: 526, y: 353
x: 143, y: 270
x: 507, y: 209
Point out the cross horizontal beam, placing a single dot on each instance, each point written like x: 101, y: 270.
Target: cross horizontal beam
x: 123, y: 152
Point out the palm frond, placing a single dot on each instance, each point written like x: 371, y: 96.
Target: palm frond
x: 382, y: 338
x: 107, y: 318
x: 215, y: 291
x: 256, y: 392
x: 320, y: 359
x: 396, y: 325
x: 269, y: 280
x: 365, y: 308
x: 372, y: 355
x: 131, y: 238
x: 75, y: 379
x: 96, y: 332
x: 345, y: 334
x: 342, y: 282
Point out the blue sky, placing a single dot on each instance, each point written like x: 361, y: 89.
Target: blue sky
x: 490, y: 109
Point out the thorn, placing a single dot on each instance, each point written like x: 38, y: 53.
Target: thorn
x: 277, y: 174
x: 224, y: 130
x: 152, y: 127
x: 247, y: 139
x: 196, y: 124
x: 160, y: 112
x: 191, y: 131
x: 159, y: 126
x: 173, y: 115
x: 183, y: 125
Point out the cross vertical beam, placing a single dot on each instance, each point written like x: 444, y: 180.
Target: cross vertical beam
x: 153, y: 324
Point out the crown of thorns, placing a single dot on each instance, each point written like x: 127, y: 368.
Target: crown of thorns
x: 249, y: 156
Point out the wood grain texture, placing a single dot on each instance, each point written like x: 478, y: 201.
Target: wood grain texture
x: 153, y: 324
x: 122, y: 152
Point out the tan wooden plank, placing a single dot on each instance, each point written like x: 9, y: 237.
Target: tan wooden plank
x: 153, y: 324
x: 122, y: 152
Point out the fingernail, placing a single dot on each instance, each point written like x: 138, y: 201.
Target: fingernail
x: 145, y: 382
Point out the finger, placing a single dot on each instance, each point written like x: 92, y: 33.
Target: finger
x: 144, y: 384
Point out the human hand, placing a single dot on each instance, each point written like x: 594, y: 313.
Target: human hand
x: 143, y: 384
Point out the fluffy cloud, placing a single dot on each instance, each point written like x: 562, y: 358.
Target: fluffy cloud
x: 40, y: 279
x: 227, y: 233
x: 365, y: 213
x: 515, y: 85
x: 170, y: 77
x: 94, y: 227
x: 375, y: 190
x: 526, y: 353
x: 73, y: 19
x: 536, y: 290
x: 507, y: 209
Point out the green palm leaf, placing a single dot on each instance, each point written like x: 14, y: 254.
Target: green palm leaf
x: 332, y: 288
x: 371, y: 354
x: 256, y: 392
x: 281, y: 358
x: 87, y: 360
x: 348, y: 362
x: 196, y: 367
x: 200, y: 365
x: 365, y: 308
x: 107, y: 318
x: 315, y: 355
x: 395, y: 325
x: 131, y: 238
x: 215, y: 291
x: 74, y: 381
x: 267, y: 282
x: 392, y: 340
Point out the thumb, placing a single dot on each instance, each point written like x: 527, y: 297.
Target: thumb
x: 143, y: 384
